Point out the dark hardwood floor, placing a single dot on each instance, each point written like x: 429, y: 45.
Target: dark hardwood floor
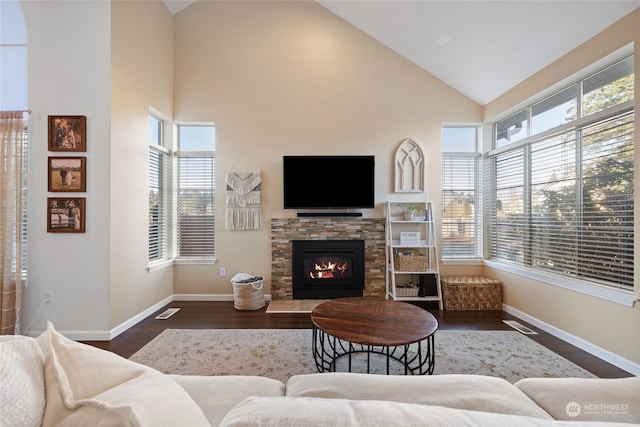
x: 222, y: 315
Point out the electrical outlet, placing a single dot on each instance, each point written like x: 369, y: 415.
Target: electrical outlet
x: 48, y: 298
x: 223, y: 271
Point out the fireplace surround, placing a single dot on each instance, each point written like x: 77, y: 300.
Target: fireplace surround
x: 285, y: 230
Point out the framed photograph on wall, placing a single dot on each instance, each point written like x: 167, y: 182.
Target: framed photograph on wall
x: 67, y: 174
x: 66, y: 214
x: 67, y: 133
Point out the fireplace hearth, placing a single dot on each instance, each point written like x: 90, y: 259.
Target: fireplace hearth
x: 323, y: 269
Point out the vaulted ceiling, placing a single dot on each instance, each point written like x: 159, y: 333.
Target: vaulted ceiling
x: 480, y: 48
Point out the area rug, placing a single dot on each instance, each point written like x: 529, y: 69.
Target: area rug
x: 282, y: 353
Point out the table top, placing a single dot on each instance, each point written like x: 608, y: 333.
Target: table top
x: 374, y: 321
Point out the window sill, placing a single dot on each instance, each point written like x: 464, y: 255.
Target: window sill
x: 625, y: 298
x: 159, y: 265
x: 462, y: 261
x: 195, y: 261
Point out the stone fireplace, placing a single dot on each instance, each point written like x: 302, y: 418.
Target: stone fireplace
x: 285, y: 231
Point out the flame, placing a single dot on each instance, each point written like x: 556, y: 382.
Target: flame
x: 328, y: 270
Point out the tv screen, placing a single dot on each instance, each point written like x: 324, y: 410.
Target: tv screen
x: 328, y: 182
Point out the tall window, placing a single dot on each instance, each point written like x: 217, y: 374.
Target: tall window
x: 13, y: 87
x: 158, y: 191
x: 195, y: 191
x: 562, y: 181
x: 461, y: 222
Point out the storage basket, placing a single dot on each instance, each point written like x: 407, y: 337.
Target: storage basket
x: 411, y: 262
x: 248, y: 295
x: 407, y: 291
x: 471, y: 293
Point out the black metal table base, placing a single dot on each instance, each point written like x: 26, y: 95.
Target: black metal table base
x: 327, y: 350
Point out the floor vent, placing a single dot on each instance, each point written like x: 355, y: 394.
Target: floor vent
x: 520, y: 327
x: 167, y: 313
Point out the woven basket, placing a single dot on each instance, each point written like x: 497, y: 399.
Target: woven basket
x: 407, y: 291
x: 248, y: 296
x: 411, y: 262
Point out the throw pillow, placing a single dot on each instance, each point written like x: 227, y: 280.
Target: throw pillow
x: 21, y: 382
x: 89, y: 386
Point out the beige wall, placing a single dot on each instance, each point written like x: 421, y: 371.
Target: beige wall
x: 69, y: 74
x: 141, y: 77
x: 292, y: 78
x: 608, y: 325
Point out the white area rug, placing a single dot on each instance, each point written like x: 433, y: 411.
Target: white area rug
x: 281, y: 353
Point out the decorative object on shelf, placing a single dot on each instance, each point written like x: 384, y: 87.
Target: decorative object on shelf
x: 409, y: 168
x: 67, y: 133
x: 413, y: 213
x: 409, y: 260
x: 66, y: 215
x: 67, y: 174
x: 244, y: 196
x: 409, y: 238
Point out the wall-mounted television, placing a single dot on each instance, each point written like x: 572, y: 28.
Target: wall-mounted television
x: 329, y: 182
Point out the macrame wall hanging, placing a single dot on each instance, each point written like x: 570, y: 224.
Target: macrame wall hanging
x: 244, y: 198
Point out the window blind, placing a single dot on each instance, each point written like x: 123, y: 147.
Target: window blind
x: 195, y: 206
x: 158, y: 204
x: 564, y: 203
x: 461, y: 236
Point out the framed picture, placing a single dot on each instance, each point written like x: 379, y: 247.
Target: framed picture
x: 67, y: 174
x: 66, y: 215
x: 67, y: 133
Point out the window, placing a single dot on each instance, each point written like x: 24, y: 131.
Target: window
x: 158, y: 192
x: 195, y: 191
x: 562, y: 198
x: 13, y: 57
x: 13, y: 81
x: 461, y: 225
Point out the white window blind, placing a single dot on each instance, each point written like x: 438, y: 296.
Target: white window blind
x: 158, y: 204
x: 196, y: 220
x: 461, y: 183
x: 460, y: 231
x: 564, y: 203
x: 196, y: 191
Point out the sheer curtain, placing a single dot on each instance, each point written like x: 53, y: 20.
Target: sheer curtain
x: 13, y: 140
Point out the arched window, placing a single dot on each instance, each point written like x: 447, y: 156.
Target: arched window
x: 13, y: 57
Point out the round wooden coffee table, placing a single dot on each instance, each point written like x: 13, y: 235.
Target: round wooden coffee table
x: 346, y: 326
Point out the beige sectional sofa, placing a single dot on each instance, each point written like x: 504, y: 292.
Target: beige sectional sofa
x: 53, y: 381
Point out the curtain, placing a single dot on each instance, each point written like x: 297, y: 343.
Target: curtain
x: 13, y: 140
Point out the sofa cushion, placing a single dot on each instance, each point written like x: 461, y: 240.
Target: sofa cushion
x: 472, y: 392
x: 89, y: 386
x: 586, y: 399
x: 218, y: 395
x: 21, y: 382
x: 318, y: 412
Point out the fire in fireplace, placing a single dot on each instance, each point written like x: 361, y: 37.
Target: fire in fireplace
x: 327, y: 268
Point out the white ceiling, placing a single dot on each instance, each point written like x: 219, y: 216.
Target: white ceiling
x: 480, y: 48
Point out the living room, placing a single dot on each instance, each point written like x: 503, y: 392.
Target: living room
x: 277, y: 78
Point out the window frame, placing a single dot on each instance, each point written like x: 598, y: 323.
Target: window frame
x: 608, y: 292
x: 476, y: 157
x: 178, y: 155
x: 158, y: 147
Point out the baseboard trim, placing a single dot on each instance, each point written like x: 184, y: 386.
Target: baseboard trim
x: 139, y: 317
x: 576, y: 341
x: 209, y: 297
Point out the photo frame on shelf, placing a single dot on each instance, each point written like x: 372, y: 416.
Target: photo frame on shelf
x: 67, y: 133
x: 67, y: 174
x: 66, y: 214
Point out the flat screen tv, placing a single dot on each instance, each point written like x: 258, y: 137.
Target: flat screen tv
x: 328, y: 182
